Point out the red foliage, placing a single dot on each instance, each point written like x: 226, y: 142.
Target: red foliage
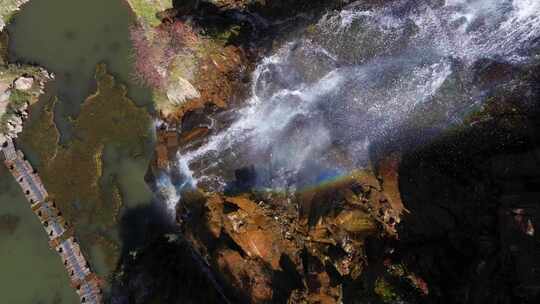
x: 156, y: 54
x: 145, y: 65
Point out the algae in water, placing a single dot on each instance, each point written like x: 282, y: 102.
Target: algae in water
x: 73, y: 173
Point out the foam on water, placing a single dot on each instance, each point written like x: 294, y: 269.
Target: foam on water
x: 319, y: 102
x: 169, y: 193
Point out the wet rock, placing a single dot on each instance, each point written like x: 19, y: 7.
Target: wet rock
x: 192, y: 137
x: 490, y: 72
x: 199, y: 118
x: 388, y: 169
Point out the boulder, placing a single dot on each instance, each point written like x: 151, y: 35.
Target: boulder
x: 181, y: 90
x: 248, y: 277
x: 4, y: 101
x: 24, y: 83
x: 356, y: 221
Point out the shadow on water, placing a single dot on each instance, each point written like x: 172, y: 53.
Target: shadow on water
x: 68, y: 38
x: 143, y: 223
x: 157, y: 264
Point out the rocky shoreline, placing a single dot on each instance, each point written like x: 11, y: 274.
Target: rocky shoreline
x: 20, y: 87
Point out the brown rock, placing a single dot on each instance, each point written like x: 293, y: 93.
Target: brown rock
x: 253, y: 232
x: 192, y: 135
x: 244, y: 203
x: 356, y: 221
x: 389, y: 171
x: 249, y: 278
x: 215, y: 220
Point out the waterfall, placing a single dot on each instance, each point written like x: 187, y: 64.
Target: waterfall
x: 320, y: 101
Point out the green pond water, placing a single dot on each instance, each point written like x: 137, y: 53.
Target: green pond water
x: 30, y: 272
x: 68, y: 38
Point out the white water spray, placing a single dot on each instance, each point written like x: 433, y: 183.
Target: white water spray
x: 319, y: 102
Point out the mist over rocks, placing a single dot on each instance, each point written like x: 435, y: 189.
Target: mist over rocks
x: 356, y: 159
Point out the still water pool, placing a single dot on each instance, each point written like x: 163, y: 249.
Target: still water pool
x: 30, y: 272
x: 68, y: 38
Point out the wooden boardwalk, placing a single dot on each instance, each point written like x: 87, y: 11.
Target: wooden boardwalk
x: 61, y: 236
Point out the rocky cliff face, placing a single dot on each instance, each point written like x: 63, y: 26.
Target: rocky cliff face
x: 273, y: 247
x: 451, y: 220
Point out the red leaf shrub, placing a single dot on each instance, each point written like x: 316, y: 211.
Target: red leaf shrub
x: 155, y: 51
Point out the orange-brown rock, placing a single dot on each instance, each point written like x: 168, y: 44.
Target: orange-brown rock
x: 389, y: 170
x: 246, y: 276
x: 220, y: 73
x: 192, y: 135
x: 356, y: 221
x: 244, y: 203
x: 214, y: 204
x: 254, y: 232
x: 322, y: 292
x: 253, y: 239
x: 162, y: 158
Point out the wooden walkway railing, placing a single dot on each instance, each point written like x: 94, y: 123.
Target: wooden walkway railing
x: 61, y: 236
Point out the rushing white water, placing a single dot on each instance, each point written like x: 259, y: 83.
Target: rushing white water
x: 320, y: 101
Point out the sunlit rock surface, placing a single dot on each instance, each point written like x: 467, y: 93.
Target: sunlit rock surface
x: 382, y: 152
x: 20, y: 87
x: 258, y: 243
x: 394, y: 96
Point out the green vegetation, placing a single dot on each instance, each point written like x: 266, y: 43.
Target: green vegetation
x: 147, y: 10
x: 7, y: 10
x: 385, y: 291
x: 73, y: 173
x: 19, y: 98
